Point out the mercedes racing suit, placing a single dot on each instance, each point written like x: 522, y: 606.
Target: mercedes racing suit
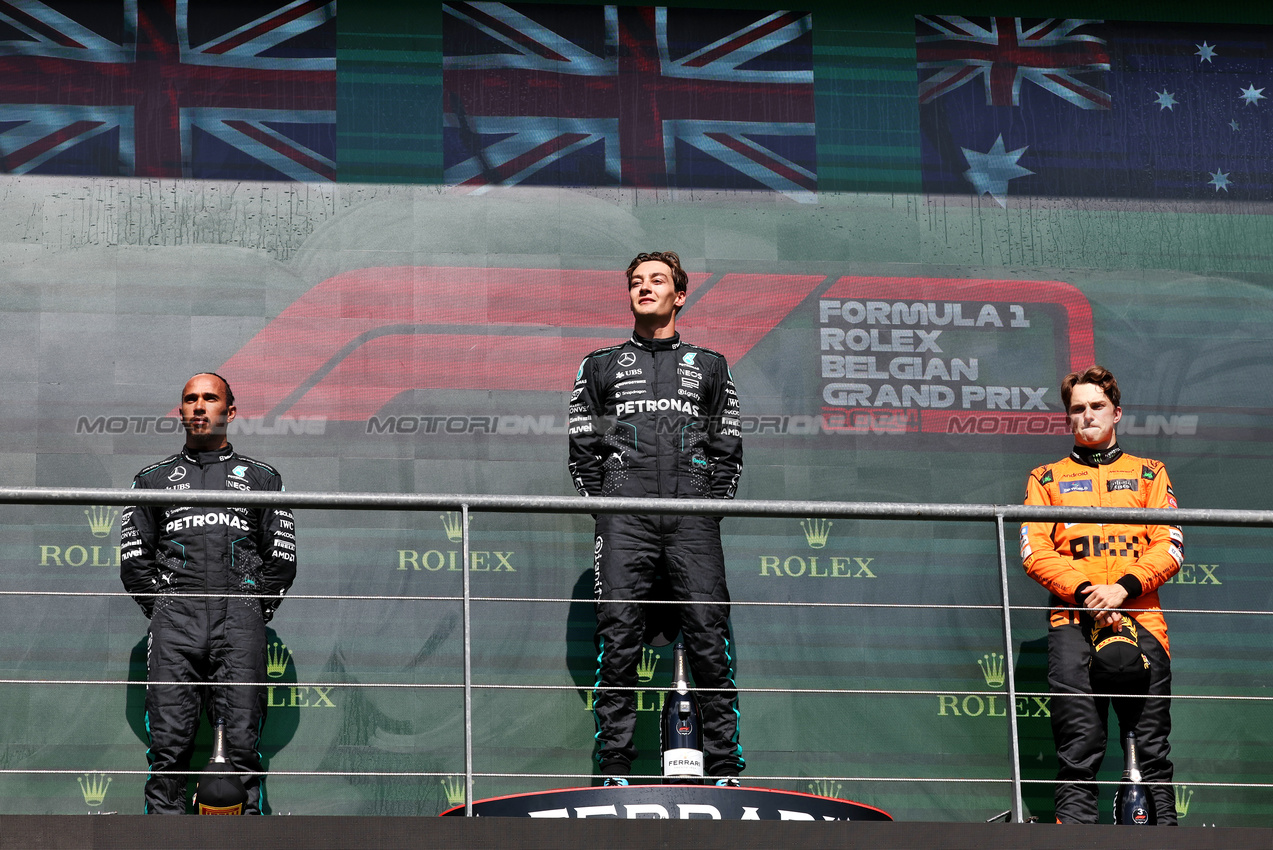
x: 1067, y: 558
x: 659, y: 418
x: 242, y: 552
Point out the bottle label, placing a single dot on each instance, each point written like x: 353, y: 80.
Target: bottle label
x: 683, y: 762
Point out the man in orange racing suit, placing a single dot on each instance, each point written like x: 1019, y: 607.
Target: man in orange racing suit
x: 1091, y: 571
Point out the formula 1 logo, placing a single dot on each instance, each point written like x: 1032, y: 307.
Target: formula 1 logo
x: 316, y: 354
x: 893, y: 355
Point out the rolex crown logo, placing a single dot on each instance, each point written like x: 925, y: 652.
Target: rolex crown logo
x: 816, y: 531
x: 453, y: 522
x: 454, y: 788
x: 991, y: 665
x: 825, y: 788
x: 1183, y: 795
x: 93, y: 786
x: 645, y: 667
x: 101, y: 518
x: 276, y: 657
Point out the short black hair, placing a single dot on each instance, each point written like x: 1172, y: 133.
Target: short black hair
x: 229, y: 393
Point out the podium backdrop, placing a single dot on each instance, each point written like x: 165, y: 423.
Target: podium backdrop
x: 897, y: 341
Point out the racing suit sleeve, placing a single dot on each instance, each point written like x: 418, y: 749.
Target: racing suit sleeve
x: 1038, y: 551
x: 587, y: 442
x: 277, y: 545
x: 725, y: 437
x: 1162, y: 557
x: 138, y: 544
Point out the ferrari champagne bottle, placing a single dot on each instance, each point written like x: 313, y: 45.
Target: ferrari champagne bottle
x: 1133, y: 804
x: 681, y: 732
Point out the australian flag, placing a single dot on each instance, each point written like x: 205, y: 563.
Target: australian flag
x: 1099, y: 109
x: 648, y: 97
x: 169, y: 88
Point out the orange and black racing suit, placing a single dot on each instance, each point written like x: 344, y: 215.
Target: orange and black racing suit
x: 1067, y: 559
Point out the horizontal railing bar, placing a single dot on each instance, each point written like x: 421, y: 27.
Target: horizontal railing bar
x: 577, y: 505
x: 341, y: 597
x: 742, y: 690
x: 345, y: 597
x: 562, y: 599
x: 749, y: 779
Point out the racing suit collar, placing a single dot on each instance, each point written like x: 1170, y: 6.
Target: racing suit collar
x: 1096, y: 457
x: 204, y: 458
x: 669, y: 344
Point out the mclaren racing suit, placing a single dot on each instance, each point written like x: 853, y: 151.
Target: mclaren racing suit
x: 245, y: 553
x: 1067, y: 558
x: 659, y: 418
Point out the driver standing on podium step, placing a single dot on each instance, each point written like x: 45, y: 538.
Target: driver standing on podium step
x: 244, y: 557
x: 658, y: 417
x: 1092, y: 571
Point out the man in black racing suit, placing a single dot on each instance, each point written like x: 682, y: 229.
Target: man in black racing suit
x: 658, y: 417
x: 247, y: 554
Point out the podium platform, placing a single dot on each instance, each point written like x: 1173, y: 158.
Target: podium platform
x: 674, y: 802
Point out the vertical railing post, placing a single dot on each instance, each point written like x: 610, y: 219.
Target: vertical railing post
x: 468, y: 666
x: 1018, y: 805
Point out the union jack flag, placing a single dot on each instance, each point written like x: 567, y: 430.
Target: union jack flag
x: 169, y: 88
x: 647, y: 97
x: 1007, y: 52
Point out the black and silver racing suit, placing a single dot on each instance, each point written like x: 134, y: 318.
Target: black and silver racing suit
x: 659, y: 418
x: 242, y: 552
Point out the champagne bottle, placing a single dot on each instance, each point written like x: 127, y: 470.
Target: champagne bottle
x: 681, y: 732
x: 219, y: 793
x: 1133, y: 804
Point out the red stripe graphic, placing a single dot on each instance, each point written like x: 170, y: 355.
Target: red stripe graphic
x: 351, y: 344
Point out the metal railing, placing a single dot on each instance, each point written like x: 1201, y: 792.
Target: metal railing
x: 998, y: 514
